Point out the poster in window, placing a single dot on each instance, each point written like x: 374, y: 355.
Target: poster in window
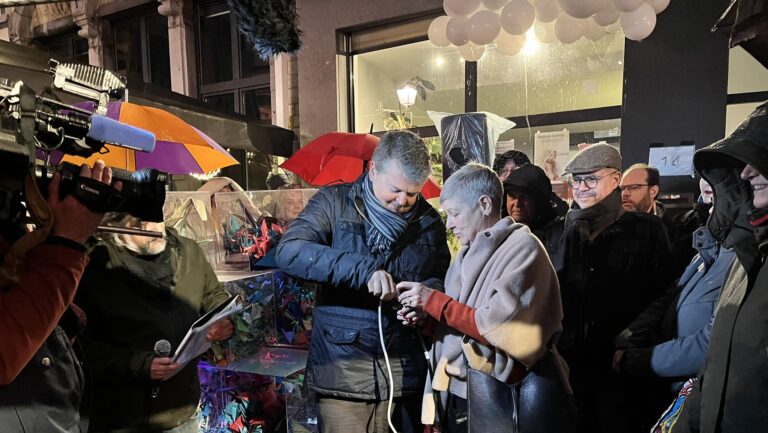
x: 550, y: 152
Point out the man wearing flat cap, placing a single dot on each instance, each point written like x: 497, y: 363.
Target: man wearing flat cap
x: 615, y: 264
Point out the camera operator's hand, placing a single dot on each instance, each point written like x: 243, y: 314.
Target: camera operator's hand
x: 72, y: 219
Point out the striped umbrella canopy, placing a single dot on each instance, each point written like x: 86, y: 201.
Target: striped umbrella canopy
x: 180, y: 147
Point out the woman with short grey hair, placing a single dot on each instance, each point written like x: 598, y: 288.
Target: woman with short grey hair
x: 501, y: 310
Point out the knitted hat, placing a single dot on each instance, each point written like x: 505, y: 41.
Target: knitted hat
x: 593, y: 158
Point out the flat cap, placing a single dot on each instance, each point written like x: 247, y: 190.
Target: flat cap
x: 593, y: 158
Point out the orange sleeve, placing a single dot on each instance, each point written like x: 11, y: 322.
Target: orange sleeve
x: 458, y: 316
x: 30, y: 310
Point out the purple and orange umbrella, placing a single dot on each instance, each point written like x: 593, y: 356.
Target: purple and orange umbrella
x: 180, y: 147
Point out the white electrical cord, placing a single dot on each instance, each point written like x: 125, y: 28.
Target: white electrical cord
x: 389, y: 372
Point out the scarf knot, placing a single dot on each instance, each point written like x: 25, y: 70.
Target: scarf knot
x: 386, y: 226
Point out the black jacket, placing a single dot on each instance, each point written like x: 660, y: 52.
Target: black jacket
x: 626, y: 267
x: 732, y: 393
x: 327, y: 244
x: 129, y: 308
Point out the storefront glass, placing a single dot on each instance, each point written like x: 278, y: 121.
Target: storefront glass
x: 378, y: 74
x: 555, y: 80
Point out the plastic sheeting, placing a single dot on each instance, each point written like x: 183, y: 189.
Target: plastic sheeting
x: 468, y: 137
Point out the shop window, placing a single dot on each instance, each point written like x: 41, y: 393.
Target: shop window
x: 257, y: 104
x: 141, y: 46
x: 225, y: 101
x: 571, y: 92
x: 67, y: 47
x: 216, y: 47
x: 377, y: 75
x: 745, y: 74
x: 234, y: 78
x: 747, y: 87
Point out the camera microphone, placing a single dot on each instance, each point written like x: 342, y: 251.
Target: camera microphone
x: 162, y: 350
x: 106, y: 130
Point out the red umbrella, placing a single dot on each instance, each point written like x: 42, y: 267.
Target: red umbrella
x: 339, y: 157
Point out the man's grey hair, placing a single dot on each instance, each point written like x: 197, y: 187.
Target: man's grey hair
x: 471, y: 182
x: 408, y: 151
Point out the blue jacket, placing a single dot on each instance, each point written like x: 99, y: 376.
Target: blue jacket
x: 670, y: 338
x: 327, y: 244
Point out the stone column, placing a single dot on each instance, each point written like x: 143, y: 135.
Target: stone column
x: 90, y: 28
x: 181, y: 45
x: 19, y: 25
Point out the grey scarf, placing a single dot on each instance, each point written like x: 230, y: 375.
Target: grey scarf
x: 386, y: 226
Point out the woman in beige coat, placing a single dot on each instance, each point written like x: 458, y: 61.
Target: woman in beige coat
x: 501, y: 309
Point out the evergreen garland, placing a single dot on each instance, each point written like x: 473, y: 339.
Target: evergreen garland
x: 270, y: 26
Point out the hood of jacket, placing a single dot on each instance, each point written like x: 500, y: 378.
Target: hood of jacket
x: 721, y: 164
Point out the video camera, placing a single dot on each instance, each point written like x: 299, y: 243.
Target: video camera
x: 40, y: 125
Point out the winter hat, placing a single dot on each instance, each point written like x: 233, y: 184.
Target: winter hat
x: 594, y: 158
x: 517, y: 156
x: 531, y: 179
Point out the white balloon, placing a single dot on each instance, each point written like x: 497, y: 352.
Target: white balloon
x: 509, y: 44
x: 639, y: 24
x: 517, y: 17
x: 583, y: 8
x: 436, y: 31
x: 494, y: 4
x: 627, y: 5
x: 460, y: 7
x: 472, y: 52
x: 546, y: 10
x: 607, y: 16
x: 456, y: 31
x: 545, y: 32
x: 658, y: 5
x: 593, y: 31
x: 569, y: 29
x: 483, y: 27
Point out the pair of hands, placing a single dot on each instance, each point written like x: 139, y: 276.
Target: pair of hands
x: 72, y: 219
x: 163, y: 368
x: 411, y: 296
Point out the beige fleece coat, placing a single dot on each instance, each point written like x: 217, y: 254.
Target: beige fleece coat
x: 507, y: 277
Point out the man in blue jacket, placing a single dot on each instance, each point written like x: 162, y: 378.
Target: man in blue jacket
x: 359, y: 240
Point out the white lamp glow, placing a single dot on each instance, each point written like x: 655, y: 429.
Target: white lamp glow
x: 531, y: 43
x: 406, y: 94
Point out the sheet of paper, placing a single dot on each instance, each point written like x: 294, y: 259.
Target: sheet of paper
x: 672, y: 160
x: 194, y: 343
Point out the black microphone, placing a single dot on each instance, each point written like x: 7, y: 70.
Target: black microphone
x: 162, y: 350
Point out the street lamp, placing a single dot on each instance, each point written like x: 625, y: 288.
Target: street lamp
x: 406, y: 94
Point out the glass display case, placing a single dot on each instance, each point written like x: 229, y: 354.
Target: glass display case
x: 191, y: 214
x: 252, y: 222
x: 254, y: 380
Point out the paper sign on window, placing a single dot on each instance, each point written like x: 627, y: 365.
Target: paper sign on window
x: 672, y: 160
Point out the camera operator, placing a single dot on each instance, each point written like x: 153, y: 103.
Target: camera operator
x: 41, y: 379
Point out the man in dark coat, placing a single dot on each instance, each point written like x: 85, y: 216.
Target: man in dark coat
x: 615, y: 265
x: 136, y: 291
x: 359, y: 240
x: 731, y: 395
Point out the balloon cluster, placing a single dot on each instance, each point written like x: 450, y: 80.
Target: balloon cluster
x: 470, y: 25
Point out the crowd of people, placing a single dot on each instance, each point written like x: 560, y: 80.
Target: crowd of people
x: 592, y: 316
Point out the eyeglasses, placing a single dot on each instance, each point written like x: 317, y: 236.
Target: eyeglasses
x: 589, y: 181
x: 633, y: 187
